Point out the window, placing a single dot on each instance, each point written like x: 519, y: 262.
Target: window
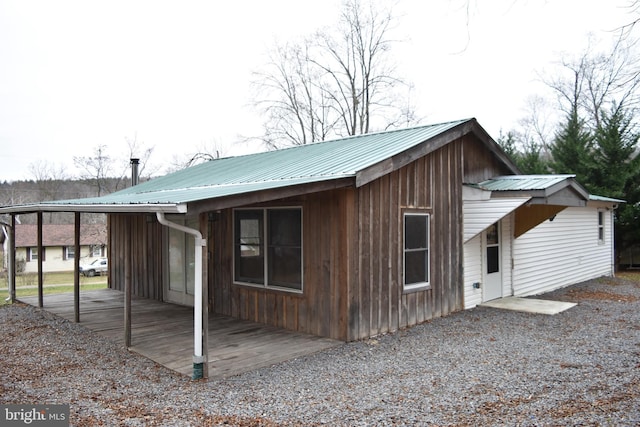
x: 416, y: 250
x: 96, y: 251
x: 69, y: 252
x: 268, y: 247
x: 493, y: 248
x: 32, y: 254
x: 601, y: 227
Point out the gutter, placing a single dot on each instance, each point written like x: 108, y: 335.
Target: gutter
x: 198, y: 357
x: 98, y: 208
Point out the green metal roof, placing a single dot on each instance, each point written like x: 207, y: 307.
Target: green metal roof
x: 523, y: 182
x: 538, y: 183
x: 323, y: 161
x: 605, y: 199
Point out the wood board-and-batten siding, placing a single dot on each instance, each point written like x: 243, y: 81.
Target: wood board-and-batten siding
x: 352, y: 251
x: 144, y: 235
x: 353, y: 255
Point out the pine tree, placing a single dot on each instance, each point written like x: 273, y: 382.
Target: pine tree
x: 617, y: 172
x: 614, y: 158
x: 572, y: 150
x: 531, y: 160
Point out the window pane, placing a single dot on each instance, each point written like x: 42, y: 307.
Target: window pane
x: 493, y: 259
x: 249, y: 255
x: 176, y: 260
x: 285, y: 267
x: 284, y: 227
x: 415, y: 267
x: 285, y: 248
x: 492, y: 234
x: 415, y: 232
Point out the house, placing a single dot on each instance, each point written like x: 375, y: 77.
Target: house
x: 58, y: 250
x: 354, y: 237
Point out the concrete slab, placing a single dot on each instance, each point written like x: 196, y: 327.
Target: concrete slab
x: 529, y: 305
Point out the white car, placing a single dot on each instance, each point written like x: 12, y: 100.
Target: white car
x: 97, y: 267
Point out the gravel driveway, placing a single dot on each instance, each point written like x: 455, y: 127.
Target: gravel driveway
x: 477, y: 367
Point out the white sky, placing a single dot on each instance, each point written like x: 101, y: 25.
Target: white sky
x: 176, y: 74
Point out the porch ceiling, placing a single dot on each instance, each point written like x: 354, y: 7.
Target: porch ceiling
x: 480, y: 214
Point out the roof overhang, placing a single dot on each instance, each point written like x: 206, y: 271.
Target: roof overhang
x: 96, y: 208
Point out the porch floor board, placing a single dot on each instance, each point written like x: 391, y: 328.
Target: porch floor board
x: 163, y: 332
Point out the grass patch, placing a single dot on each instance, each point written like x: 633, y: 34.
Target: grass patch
x: 633, y: 275
x: 54, y: 283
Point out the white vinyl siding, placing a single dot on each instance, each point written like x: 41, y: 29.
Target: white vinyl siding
x: 562, y: 252
x: 472, y: 272
x: 505, y: 257
x: 473, y: 267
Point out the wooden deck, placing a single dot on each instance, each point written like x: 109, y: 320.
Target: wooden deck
x: 164, y: 333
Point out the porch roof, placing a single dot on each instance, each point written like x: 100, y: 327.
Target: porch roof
x: 542, y: 186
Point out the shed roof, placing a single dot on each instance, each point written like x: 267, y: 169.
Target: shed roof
x: 359, y: 159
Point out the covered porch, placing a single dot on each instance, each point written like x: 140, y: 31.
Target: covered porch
x: 163, y: 333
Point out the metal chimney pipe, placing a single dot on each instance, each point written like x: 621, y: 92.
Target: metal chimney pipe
x: 134, y: 171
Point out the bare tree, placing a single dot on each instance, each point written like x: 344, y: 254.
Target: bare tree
x: 49, y: 177
x: 340, y: 82
x: 139, y: 150
x: 595, y: 82
x: 204, y: 153
x: 97, y: 168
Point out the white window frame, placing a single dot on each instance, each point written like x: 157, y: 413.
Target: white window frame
x: 601, y: 226
x: 32, y: 254
x: 265, y: 248
x: 69, y: 250
x: 427, y: 283
x: 95, y: 251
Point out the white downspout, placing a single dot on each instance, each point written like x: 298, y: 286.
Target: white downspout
x: 198, y: 358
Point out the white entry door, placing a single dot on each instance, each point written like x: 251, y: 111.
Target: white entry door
x: 492, y: 270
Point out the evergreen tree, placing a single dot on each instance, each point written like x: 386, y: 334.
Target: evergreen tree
x: 614, y: 158
x: 617, y: 172
x: 508, y: 144
x: 572, y: 150
x: 531, y: 161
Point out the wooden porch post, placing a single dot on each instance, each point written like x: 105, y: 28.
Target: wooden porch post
x: 12, y: 260
x: 127, y: 282
x: 40, y: 254
x: 204, y: 229
x: 76, y: 268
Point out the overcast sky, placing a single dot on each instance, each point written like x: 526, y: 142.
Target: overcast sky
x: 176, y: 74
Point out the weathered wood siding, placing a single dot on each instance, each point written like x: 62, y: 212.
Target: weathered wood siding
x: 145, y: 238
x: 480, y: 164
x: 431, y: 184
x: 321, y: 309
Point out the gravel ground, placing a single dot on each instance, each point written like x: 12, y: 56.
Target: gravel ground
x: 477, y: 367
